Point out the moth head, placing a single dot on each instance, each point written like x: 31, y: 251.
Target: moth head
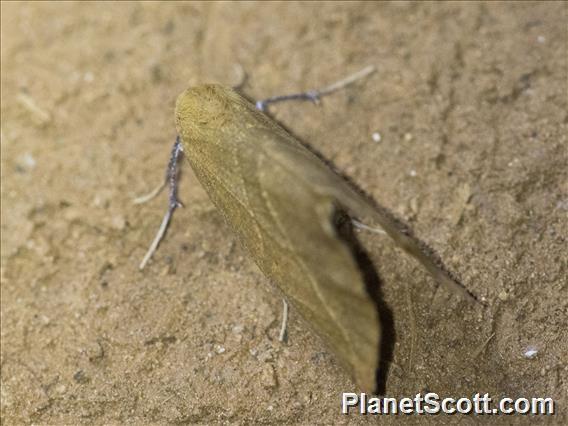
x: 204, y: 109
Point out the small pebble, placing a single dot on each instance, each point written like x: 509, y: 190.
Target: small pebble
x: 530, y: 353
x: 503, y: 296
x: 88, y: 77
x: 80, y: 377
x: 414, y: 205
x: 29, y: 160
x: 118, y: 222
x: 268, y: 377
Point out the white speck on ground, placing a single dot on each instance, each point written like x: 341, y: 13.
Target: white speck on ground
x: 530, y: 353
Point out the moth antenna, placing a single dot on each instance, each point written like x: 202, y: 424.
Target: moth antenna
x: 284, y: 326
x: 172, y: 180
x: 315, y: 95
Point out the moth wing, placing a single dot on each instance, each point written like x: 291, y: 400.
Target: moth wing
x: 328, y: 288
x: 314, y: 170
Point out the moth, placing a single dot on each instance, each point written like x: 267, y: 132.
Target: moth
x: 282, y: 202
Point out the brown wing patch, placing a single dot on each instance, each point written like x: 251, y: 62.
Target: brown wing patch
x: 325, y: 285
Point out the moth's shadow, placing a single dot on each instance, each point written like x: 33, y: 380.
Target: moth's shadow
x: 373, y: 284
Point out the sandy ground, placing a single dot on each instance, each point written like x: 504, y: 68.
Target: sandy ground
x: 470, y: 101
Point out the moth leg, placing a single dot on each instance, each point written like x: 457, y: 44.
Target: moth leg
x: 284, y: 325
x: 142, y: 199
x: 172, y: 180
x: 152, y: 194
x: 361, y: 225
x: 315, y: 95
x: 312, y: 95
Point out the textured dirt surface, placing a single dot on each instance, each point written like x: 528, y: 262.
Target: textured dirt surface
x: 470, y: 101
